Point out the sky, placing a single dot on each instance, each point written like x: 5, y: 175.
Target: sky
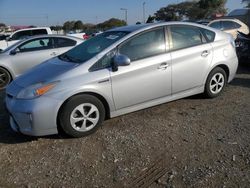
x: 56, y: 12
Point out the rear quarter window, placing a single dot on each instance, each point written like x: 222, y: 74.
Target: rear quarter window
x: 209, y: 35
x: 63, y: 42
x: 39, y: 32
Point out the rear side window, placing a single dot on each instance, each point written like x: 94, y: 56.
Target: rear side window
x: 209, y: 35
x: 227, y: 25
x: 186, y: 36
x: 144, y: 45
x: 63, y: 42
x: 39, y: 32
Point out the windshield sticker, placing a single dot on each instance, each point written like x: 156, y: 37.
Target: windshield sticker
x: 112, y: 37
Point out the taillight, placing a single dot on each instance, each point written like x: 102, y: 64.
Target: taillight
x: 85, y: 37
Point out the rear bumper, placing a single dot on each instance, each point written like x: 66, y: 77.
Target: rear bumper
x: 233, y: 65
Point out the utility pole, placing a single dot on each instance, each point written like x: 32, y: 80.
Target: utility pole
x: 126, y: 14
x: 143, y: 5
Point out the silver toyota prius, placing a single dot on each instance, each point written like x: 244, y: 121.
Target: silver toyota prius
x: 120, y: 71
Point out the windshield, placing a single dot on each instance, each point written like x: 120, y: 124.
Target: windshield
x: 92, y: 47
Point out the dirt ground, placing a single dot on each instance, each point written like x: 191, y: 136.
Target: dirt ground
x: 193, y: 142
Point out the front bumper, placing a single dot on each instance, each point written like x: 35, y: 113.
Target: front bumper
x: 35, y: 117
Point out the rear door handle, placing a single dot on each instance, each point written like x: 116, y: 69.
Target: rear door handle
x: 163, y: 66
x: 205, y: 53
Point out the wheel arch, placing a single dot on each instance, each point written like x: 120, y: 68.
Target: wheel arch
x: 8, y: 70
x: 100, y: 97
x: 221, y: 65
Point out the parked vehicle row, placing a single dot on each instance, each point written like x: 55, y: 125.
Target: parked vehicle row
x: 231, y: 26
x: 120, y: 71
x: 23, y: 33
x: 27, y: 53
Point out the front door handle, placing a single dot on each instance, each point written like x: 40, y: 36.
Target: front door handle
x: 205, y: 53
x: 163, y: 66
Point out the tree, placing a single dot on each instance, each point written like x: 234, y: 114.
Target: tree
x: 78, y: 25
x: 192, y: 10
x: 150, y: 19
x: 175, y: 12
x: 111, y: 23
x: 69, y: 25
x: 2, y: 25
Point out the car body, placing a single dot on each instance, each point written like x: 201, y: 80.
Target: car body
x: 81, y: 35
x: 24, y: 33
x: 231, y: 26
x: 27, y: 53
x: 242, y: 14
x: 120, y: 71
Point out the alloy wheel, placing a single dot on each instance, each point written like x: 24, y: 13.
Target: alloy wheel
x: 84, y: 117
x: 217, y: 83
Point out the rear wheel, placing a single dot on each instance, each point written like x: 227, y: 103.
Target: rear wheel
x: 215, y: 83
x: 81, y: 115
x: 5, y: 78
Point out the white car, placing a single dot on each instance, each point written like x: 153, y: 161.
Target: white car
x: 231, y: 26
x: 23, y: 33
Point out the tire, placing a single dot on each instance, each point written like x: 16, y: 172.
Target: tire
x: 81, y: 115
x: 216, y: 82
x: 5, y: 78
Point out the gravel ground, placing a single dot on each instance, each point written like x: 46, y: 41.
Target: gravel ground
x: 193, y: 142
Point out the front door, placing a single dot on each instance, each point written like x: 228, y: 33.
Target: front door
x: 32, y: 53
x: 148, y: 77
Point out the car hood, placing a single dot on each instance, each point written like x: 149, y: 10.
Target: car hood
x: 47, y: 71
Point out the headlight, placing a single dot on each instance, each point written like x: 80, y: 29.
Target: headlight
x: 35, y: 90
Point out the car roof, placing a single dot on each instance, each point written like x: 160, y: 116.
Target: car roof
x: 138, y: 27
x: 32, y: 28
x: 52, y: 35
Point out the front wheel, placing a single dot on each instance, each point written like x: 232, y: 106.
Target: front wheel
x: 5, y: 78
x: 215, y: 83
x: 81, y: 115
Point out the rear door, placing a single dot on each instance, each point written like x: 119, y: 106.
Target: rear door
x: 191, y: 57
x: 32, y: 53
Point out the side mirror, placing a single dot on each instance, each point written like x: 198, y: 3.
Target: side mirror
x: 120, y: 60
x: 14, y: 52
x: 8, y: 39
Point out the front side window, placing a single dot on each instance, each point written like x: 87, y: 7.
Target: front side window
x: 90, y: 48
x: 186, y: 36
x: 36, y: 44
x: 145, y: 45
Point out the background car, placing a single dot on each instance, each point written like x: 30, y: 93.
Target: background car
x: 121, y: 71
x: 242, y: 14
x: 24, y: 33
x: 28, y: 53
x: 231, y: 26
